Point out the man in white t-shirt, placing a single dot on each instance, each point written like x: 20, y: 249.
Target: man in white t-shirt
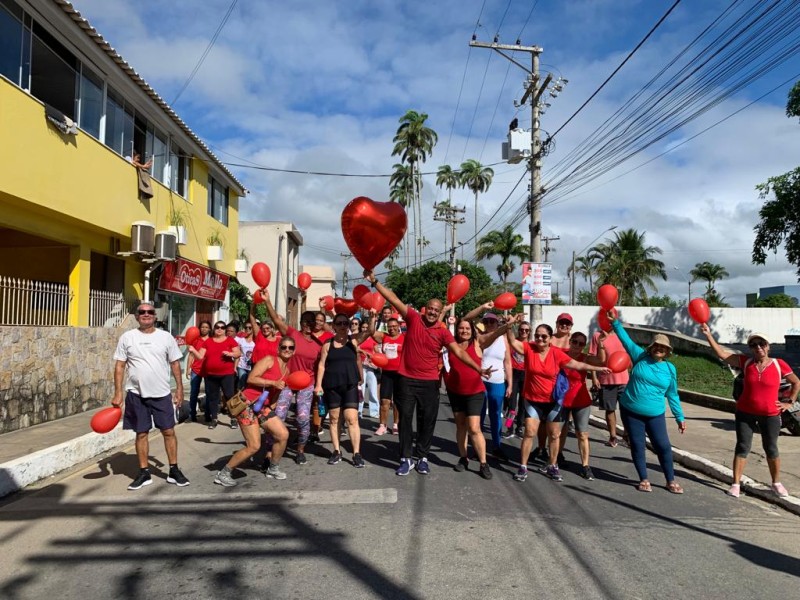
x: 144, y: 358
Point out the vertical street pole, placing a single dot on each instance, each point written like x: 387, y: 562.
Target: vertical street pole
x: 536, y: 180
x: 572, y: 282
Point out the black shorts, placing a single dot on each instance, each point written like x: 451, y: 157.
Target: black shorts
x: 388, y: 384
x: 472, y: 404
x: 142, y: 413
x: 342, y: 397
x: 609, y: 396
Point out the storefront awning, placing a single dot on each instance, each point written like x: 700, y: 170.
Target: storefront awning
x: 193, y: 279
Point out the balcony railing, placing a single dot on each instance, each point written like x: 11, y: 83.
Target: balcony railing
x: 28, y: 302
x: 106, y: 309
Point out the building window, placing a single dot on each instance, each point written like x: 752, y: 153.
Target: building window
x: 179, y: 170
x: 218, y: 201
x: 90, y: 107
x: 157, y: 149
x: 119, y: 125
x: 10, y: 40
x: 53, y: 72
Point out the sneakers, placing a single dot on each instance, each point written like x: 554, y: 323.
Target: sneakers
x: 335, y: 458
x: 300, y: 459
x: 358, y: 462
x: 213, y: 424
x: 552, y: 472
x: 423, y: 468
x: 264, y: 466
x: 234, y: 424
x: 405, y: 467
x: 175, y: 476
x: 484, y: 471
x: 274, y: 472
x: 519, y: 432
x: 381, y: 430
x: 224, y: 479
x: 508, y: 434
x: 462, y: 464
x: 521, y: 474
x: 142, y: 479
x: 313, y: 437
x: 735, y: 491
x: 586, y: 473
x: 394, y: 429
x: 779, y: 489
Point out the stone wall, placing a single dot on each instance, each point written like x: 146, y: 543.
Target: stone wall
x: 51, y: 372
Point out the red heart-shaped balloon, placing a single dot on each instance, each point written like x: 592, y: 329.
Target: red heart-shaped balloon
x: 372, y: 229
x: 345, y: 306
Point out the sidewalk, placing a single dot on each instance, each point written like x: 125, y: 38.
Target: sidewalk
x: 41, y: 451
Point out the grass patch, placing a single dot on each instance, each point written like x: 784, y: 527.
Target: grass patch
x: 703, y: 375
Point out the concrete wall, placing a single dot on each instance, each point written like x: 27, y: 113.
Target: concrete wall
x: 51, y: 372
x: 730, y: 325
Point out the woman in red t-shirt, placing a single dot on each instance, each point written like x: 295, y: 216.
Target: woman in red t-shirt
x: 267, y: 375
x: 577, y: 401
x: 759, y: 404
x: 542, y: 364
x: 194, y: 372
x: 391, y: 345
x: 219, y: 354
x: 466, y: 392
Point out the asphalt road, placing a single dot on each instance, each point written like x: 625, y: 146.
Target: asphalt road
x: 341, y: 532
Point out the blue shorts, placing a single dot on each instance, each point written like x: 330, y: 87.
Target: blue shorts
x: 142, y: 413
x: 549, y: 412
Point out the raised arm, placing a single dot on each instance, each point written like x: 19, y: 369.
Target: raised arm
x: 476, y: 312
x: 486, y: 339
x: 514, y: 343
x: 362, y: 336
x: 632, y: 348
x: 731, y: 358
x: 390, y: 296
x: 577, y: 365
x: 462, y: 355
x: 252, y: 318
x: 280, y: 324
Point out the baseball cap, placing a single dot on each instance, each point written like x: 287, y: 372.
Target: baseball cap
x: 489, y: 317
x: 755, y: 336
x: 565, y: 317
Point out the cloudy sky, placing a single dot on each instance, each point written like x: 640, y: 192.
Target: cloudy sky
x: 320, y: 86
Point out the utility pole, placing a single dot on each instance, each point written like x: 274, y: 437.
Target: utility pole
x: 345, y: 256
x: 447, y: 213
x: 547, y: 241
x: 533, y: 94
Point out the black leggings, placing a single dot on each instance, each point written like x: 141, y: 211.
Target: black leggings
x: 745, y: 427
x: 213, y: 385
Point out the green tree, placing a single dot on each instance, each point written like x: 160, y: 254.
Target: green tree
x: 776, y: 301
x: 430, y: 280
x: 478, y: 179
x: 586, y: 267
x: 240, y: 300
x: 628, y: 263
x: 413, y: 143
x: 663, y: 301
x: 401, y: 190
x: 448, y: 179
x: 505, y: 244
x: 710, y: 273
x: 585, y: 298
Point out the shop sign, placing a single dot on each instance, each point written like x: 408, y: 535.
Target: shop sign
x: 185, y: 277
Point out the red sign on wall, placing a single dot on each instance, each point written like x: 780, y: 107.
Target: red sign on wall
x: 185, y: 277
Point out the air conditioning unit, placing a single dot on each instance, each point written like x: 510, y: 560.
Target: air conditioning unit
x: 166, y: 245
x: 143, y: 237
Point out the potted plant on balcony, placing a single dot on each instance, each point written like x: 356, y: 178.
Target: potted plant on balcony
x: 177, y: 224
x: 214, y: 242
x: 240, y: 264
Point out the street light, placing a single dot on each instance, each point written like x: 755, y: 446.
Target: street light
x: 572, y: 277
x: 689, y: 281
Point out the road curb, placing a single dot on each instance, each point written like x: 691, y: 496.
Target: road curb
x: 26, y: 470
x: 754, y: 488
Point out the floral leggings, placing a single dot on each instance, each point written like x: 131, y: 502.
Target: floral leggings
x: 302, y: 412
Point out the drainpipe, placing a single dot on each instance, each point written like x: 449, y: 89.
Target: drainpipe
x: 147, y: 284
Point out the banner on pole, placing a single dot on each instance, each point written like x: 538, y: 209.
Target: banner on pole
x: 537, y: 279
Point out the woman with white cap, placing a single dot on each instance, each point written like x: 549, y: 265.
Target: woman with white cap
x: 642, y: 404
x: 758, y: 405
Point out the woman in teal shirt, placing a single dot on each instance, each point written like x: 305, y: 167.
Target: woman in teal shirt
x: 642, y: 404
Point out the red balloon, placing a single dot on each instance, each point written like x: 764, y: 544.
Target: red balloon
x: 372, y: 229
x: 298, y: 380
x: 304, y: 281
x: 377, y: 301
x: 257, y: 297
x: 105, y: 420
x: 602, y: 319
x: 191, y: 335
x: 607, y: 296
x: 619, y: 361
x: 345, y: 306
x: 379, y: 360
x: 457, y: 288
x: 328, y: 300
x: 698, y: 310
x: 359, y: 291
x: 261, y: 274
x: 505, y: 301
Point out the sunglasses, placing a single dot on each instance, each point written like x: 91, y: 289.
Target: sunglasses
x: 219, y: 326
x: 564, y: 323
x: 761, y: 344
x: 524, y: 330
x: 146, y: 312
x: 541, y: 337
x: 287, y: 347
x: 248, y: 326
x: 341, y: 324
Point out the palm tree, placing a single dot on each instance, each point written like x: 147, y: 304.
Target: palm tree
x: 401, y: 190
x: 628, y: 263
x: 710, y: 273
x: 477, y: 178
x: 586, y: 267
x: 507, y: 245
x: 414, y: 142
x: 449, y: 179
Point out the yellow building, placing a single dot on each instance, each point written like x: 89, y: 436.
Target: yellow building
x: 73, y: 114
